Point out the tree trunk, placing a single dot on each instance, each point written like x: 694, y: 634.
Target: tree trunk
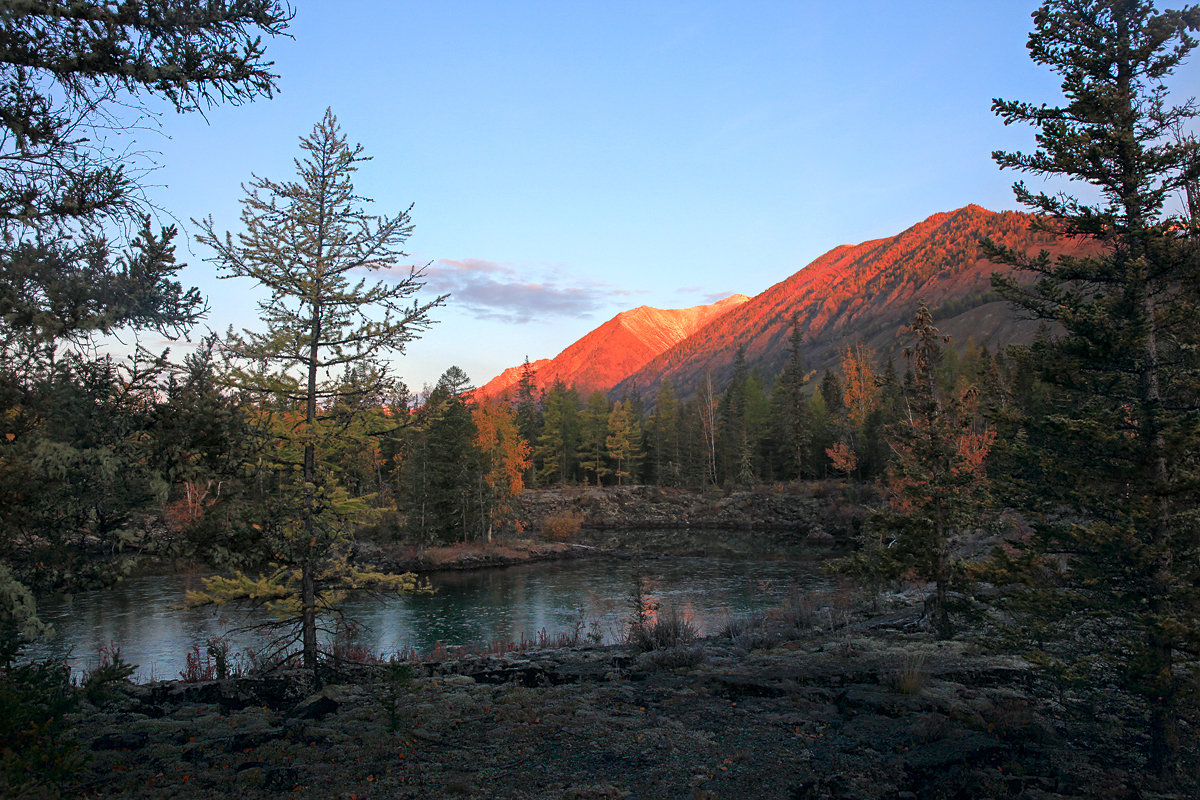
x: 308, y: 618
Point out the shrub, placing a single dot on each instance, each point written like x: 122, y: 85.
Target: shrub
x: 197, y: 670
x: 664, y: 630
x: 678, y: 657
x: 36, y: 751
x: 562, y: 525
x: 100, y: 682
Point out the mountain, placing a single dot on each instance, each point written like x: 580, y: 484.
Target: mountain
x: 616, y: 349
x: 863, y: 293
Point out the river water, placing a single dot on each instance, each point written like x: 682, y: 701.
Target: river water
x: 144, y: 618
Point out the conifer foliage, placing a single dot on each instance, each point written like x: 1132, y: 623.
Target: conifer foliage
x: 304, y: 242
x: 1113, y: 465
x: 936, y: 481
x: 78, y: 258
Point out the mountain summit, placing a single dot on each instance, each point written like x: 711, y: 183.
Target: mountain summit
x: 864, y: 293
x: 616, y: 349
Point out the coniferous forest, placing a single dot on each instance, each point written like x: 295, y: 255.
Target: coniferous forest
x: 270, y: 457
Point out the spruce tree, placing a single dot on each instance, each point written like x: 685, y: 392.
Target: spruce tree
x: 1112, y: 466
x: 663, y: 435
x: 78, y: 257
x: 557, y: 444
x: 305, y: 242
x: 791, y: 417
x: 593, y: 433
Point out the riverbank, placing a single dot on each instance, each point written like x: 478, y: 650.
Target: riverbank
x: 820, y: 701
x: 825, y: 511
x: 507, y: 552
x: 559, y: 523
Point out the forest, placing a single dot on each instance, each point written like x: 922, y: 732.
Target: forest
x: 265, y: 454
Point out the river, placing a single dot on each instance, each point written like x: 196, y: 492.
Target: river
x: 144, y: 617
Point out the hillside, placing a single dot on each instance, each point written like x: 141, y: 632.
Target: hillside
x: 616, y: 349
x: 865, y: 293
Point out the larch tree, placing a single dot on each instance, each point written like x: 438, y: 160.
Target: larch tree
x: 1114, y: 477
x: 505, y: 461
x: 936, y: 483
x: 623, y: 441
x: 308, y: 242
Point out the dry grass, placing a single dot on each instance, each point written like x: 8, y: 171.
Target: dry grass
x: 910, y: 677
x: 468, y: 552
x: 563, y: 525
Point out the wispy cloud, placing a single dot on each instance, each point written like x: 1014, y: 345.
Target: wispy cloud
x: 514, y: 294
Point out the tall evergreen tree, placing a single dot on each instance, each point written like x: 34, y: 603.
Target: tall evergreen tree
x: 529, y: 414
x: 732, y: 441
x: 452, y: 464
x: 1116, y: 478
x: 304, y: 241
x: 791, y: 419
x: 593, y: 433
x: 557, y: 445
x: 663, y: 435
x: 69, y: 193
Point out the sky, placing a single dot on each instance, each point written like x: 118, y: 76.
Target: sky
x: 570, y: 160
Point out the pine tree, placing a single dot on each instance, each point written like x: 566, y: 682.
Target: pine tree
x: 304, y: 241
x: 1112, y: 471
x: 732, y: 441
x: 529, y: 414
x: 453, y: 467
x: 66, y: 72
x: 70, y: 197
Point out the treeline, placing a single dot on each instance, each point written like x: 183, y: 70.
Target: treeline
x: 753, y: 430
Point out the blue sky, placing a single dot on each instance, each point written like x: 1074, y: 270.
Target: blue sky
x: 570, y: 160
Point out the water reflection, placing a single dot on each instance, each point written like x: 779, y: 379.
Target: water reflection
x: 143, y: 616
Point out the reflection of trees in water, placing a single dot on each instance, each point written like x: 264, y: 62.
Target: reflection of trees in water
x: 470, y: 607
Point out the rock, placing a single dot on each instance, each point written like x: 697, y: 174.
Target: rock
x: 250, y: 740
x: 120, y: 741
x: 315, y: 707
x: 738, y: 686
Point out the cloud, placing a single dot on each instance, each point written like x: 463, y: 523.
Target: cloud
x: 511, y: 294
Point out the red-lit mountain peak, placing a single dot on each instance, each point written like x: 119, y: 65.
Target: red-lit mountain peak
x: 616, y: 349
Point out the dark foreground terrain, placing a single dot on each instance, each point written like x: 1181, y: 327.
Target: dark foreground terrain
x: 814, y: 703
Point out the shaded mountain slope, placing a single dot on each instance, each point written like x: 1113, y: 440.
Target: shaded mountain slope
x: 862, y: 293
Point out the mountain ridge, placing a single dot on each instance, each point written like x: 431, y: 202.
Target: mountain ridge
x: 863, y: 292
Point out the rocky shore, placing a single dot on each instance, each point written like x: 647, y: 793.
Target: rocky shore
x: 809, y: 703
x: 820, y: 511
